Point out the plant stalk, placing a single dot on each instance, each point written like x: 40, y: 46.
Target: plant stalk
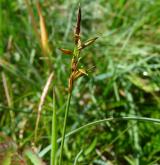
x: 54, y: 134
x: 64, y: 126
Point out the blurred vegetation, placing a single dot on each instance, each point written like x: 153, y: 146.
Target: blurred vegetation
x: 124, y: 79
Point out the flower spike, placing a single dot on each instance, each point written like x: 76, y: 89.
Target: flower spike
x: 78, y: 28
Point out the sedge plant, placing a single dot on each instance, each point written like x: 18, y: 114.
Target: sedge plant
x: 76, y: 71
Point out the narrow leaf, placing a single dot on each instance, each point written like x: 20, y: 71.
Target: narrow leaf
x: 43, y: 31
x: 42, y: 99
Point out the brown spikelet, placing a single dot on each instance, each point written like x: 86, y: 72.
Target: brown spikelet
x: 80, y: 73
x: 87, y: 43
x: 90, y: 41
x: 66, y: 51
x: 78, y: 28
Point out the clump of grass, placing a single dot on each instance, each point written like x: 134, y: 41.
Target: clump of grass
x: 76, y: 72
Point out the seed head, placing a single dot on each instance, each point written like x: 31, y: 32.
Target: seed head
x: 78, y: 28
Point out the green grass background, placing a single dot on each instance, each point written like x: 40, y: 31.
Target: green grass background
x: 125, y: 80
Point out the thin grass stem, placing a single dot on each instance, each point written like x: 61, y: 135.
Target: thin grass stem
x: 64, y: 127
x: 54, y: 133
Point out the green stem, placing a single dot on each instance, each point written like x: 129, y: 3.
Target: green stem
x: 64, y: 127
x: 54, y: 134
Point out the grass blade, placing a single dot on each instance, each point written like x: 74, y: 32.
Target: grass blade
x: 42, y: 99
x: 144, y: 119
x: 43, y: 31
x: 78, y: 155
